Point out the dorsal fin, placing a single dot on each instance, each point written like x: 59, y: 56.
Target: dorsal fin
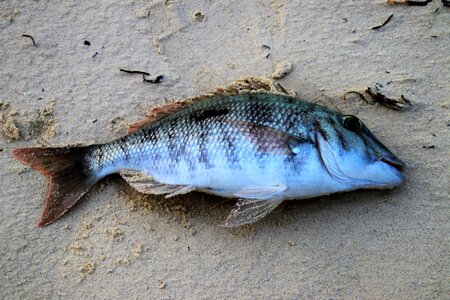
x: 243, y: 85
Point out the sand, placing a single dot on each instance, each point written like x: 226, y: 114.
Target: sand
x: 119, y: 244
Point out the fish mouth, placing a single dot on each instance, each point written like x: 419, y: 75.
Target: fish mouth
x: 394, y: 162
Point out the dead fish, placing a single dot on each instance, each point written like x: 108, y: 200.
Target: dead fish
x: 261, y: 148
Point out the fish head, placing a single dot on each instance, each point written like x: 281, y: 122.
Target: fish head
x: 353, y: 155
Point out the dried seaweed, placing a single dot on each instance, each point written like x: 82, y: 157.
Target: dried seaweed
x: 134, y: 72
x: 396, y: 104
x: 384, y: 23
x: 156, y: 80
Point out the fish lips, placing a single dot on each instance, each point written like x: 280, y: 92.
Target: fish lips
x: 396, y: 166
x: 394, y: 162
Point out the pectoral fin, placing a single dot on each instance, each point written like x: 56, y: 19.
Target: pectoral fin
x: 248, y: 211
x: 148, y: 185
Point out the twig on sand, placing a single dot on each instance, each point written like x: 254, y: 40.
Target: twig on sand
x: 384, y: 23
x: 30, y: 37
x: 268, y: 48
x: 134, y: 72
x: 281, y: 88
x: 156, y: 80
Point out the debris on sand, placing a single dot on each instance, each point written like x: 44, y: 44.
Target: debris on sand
x: 157, y: 79
x: 88, y: 268
x: 175, y: 209
x: 31, y: 38
x: 198, y: 17
x: 282, y: 69
x: 7, y: 123
x: 396, y: 104
x: 43, y: 126
x: 118, y: 125
x: 85, y: 270
x: 408, y: 2
x: 268, y: 48
x: 115, y: 232
x: 384, y: 23
x: 375, y: 95
x: 161, y: 285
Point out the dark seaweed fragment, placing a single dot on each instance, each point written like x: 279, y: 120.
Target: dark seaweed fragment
x: 396, y: 104
x: 134, y: 72
x: 156, y: 80
x: 384, y: 23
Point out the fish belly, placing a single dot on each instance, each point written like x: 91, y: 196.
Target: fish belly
x: 304, y: 176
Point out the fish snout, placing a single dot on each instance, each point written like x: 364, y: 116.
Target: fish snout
x: 393, y: 161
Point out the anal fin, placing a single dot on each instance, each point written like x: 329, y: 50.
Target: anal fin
x: 148, y: 185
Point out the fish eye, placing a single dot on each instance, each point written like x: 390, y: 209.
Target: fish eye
x: 352, y: 123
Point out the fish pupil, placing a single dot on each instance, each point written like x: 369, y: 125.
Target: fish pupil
x: 352, y: 123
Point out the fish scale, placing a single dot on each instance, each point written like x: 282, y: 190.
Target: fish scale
x: 261, y: 148
x: 187, y: 137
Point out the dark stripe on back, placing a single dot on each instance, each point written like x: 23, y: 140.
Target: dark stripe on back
x: 210, y: 113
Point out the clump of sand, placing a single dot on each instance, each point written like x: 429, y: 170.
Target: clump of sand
x: 282, y: 68
x: 43, y: 126
x: 119, y: 125
x: 8, y: 124
x: 176, y: 210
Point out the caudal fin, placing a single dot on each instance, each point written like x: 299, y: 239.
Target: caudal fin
x: 69, y: 174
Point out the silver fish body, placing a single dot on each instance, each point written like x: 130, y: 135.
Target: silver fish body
x: 258, y: 147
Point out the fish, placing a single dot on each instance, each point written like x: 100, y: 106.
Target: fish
x: 259, y: 147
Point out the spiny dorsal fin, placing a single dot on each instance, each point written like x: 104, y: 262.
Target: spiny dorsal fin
x: 243, y: 85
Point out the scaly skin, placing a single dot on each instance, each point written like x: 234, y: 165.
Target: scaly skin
x: 225, y: 143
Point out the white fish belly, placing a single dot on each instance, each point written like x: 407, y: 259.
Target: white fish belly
x: 304, y: 176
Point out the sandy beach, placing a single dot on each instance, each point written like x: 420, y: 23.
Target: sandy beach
x: 61, y: 84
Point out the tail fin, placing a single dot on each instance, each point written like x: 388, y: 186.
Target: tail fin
x: 69, y: 174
